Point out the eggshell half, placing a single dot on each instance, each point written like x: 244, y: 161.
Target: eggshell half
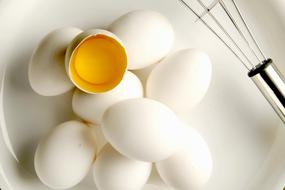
x: 119, y: 64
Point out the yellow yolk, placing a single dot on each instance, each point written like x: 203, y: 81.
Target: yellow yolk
x: 98, y: 64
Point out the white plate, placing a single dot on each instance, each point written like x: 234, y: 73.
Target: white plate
x: 238, y: 124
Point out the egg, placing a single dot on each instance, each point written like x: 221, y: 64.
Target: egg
x: 47, y: 73
x: 96, y: 61
x: 64, y: 156
x: 91, y: 107
x: 142, y: 129
x: 191, y: 166
x: 113, y: 171
x: 180, y: 80
x: 147, y: 35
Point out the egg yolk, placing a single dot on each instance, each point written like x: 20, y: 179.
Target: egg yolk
x: 98, y: 64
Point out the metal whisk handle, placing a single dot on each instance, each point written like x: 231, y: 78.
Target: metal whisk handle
x: 271, y: 83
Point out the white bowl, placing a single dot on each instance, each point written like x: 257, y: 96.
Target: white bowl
x: 244, y: 134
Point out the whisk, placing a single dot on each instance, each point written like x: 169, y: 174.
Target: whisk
x: 264, y: 74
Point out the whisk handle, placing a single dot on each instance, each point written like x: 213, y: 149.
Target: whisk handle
x: 271, y: 83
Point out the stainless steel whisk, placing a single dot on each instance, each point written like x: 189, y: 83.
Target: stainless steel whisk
x: 265, y: 74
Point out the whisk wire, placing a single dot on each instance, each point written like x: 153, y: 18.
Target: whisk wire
x: 225, y: 32
x: 248, y: 30
x: 265, y: 74
x: 210, y: 7
x: 215, y: 33
x: 224, y: 7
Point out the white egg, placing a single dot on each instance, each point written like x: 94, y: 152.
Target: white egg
x: 91, y: 107
x: 180, y: 80
x: 142, y: 129
x: 47, y: 73
x: 191, y: 166
x: 64, y: 157
x: 113, y: 171
x: 147, y: 35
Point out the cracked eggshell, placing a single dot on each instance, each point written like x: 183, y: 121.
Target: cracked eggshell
x: 113, y: 171
x: 47, y: 73
x: 84, y: 84
x: 142, y: 129
x: 180, y: 80
x: 147, y: 35
x: 91, y: 107
x: 64, y: 157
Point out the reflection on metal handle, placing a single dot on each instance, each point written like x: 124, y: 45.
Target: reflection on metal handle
x: 271, y: 83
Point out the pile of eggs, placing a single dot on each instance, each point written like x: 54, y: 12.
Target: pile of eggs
x: 125, y: 127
